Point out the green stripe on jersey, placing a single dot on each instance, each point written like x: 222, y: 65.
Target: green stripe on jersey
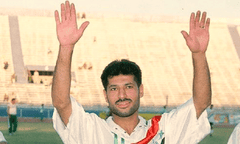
x: 122, y: 141
x: 115, y: 139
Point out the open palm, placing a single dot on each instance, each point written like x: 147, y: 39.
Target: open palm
x: 67, y: 30
x: 198, y: 37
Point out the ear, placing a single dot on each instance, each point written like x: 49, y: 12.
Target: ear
x: 141, y: 92
x: 105, y: 95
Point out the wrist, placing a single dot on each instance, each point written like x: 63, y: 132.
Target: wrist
x: 66, y: 49
x: 198, y: 55
x: 67, y: 46
x: 65, y: 52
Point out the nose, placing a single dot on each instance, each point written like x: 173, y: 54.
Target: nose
x: 122, y: 93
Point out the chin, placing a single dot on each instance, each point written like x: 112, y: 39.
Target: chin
x: 124, y: 113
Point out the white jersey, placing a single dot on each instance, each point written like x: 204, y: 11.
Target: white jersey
x: 2, y: 139
x: 235, y: 136
x: 180, y: 126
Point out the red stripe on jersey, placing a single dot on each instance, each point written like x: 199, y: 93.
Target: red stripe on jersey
x: 152, y: 131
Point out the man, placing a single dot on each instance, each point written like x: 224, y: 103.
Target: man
x: 41, y: 112
x: 123, y: 89
x: 164, y: 109
x: 36, y: 77
x: 2, y: 139
x: 6, y: 97
x: 12, y: 114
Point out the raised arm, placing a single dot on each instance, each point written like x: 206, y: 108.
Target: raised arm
x: 197, y: 41
x: 68, y: 34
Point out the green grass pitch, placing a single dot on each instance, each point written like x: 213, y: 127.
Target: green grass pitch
x: 43, y: 133
x: 31, y: 133
x: 220, y: 136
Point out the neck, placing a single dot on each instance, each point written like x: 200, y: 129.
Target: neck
x: 127, y: 123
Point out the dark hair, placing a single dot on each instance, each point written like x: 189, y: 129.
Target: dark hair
x: 123, y: 66
x: 13, y: 99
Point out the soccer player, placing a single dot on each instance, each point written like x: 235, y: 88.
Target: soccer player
x: 12, y: 114
x: 123, y: 89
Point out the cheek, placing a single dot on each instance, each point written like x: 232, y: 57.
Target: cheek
x: 132, y: 93
x: 112, y: 97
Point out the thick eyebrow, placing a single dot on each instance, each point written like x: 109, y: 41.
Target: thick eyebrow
x: 130, y: 83
x: 112, y: 86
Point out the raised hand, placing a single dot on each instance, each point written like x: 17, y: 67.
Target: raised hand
x: 198, y: 37
x: 67, y: 29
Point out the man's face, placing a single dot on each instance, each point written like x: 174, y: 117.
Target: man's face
x: 13, y: 101
x: 123, y: 95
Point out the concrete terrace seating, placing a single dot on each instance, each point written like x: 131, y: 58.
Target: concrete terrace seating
x: 38, y: 36
x: 32, y: 94
x: 5, y: 51
x: 225, y: 66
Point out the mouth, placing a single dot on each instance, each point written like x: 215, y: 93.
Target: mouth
x: 123, y: 104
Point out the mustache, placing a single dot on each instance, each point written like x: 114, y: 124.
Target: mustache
x: 122, y: 100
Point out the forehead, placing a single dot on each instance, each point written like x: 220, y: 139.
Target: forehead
x: 121, y: 79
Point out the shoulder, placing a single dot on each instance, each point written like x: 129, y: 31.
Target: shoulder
x: 237, y: 128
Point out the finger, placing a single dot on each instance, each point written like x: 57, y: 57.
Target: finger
x: 73, y: 12
x: 63, y: 12
x: 68, y: 14
x: 192, y: 22
x: 57, y: 17
x: 82, y: 28
x: 202, y: 23
x: 185, y: 35
x: 207, y: 24
x: 197, y: 18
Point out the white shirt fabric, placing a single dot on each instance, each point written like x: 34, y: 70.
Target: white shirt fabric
x: 180, y: 126
x: 235, y: 136
x: 12, y: 109
x: 2, y: 139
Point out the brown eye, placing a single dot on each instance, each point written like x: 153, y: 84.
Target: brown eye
x: 113, y: 89
x: 129, y: 87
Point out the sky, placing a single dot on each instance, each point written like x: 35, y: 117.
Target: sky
x: 214, y: 8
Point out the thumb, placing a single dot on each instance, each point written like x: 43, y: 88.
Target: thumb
x: 82, y: 28
x: 185, y: 35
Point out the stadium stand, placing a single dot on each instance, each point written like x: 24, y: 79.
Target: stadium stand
x: 158, y: 48
x: 5, y: 50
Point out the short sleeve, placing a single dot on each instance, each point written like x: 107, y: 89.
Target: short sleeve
x: 183, y: 127
x: 235, y: 136
x: 59, y: 126
x: 82, y: 127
